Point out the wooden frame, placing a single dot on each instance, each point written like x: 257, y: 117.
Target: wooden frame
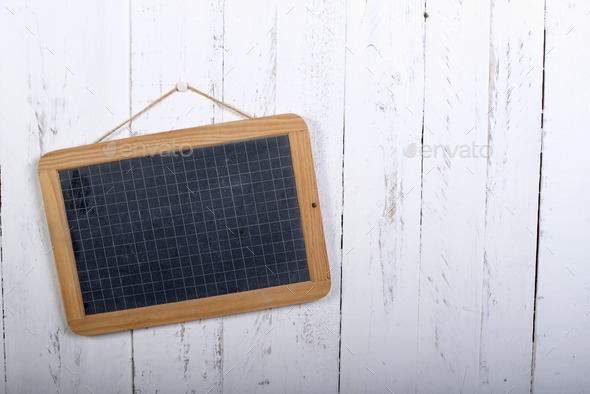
x: 313, y: 233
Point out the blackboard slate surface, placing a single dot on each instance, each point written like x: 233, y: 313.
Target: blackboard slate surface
x: 184, y: 225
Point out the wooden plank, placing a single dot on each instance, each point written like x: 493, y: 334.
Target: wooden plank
x: 562, y: 325
x: 453, y: 196
x: 2, y: 264
x: 250, y: 85
x: 384, y: 106
x: 310, y: 80
x: 514, y: 123
x: 290, y: 59
x: 204, y: 308
x: 177, y: 41
x: 164, y: 142
x: 309, y: 206
x: 61, y: 243
x: 66, y: 78
x: 6, y: 25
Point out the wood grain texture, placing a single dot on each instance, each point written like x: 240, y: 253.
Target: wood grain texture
x: 61, y: 243
x: 384, y: 106
x: 453, y: 196
x: 249, y: 83
x: 203, y: 308
x: 562, y: 324
x: 69, y: 72
x: 287, y: 60
x: 514, y: 139
x: 310, y: 80
x: 4, y: 124
x: 176, y: 41
x: 164, y: 142
x: 309, y: 206
x: 65, y: 78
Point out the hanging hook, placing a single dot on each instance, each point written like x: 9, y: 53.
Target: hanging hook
x: 180, y: 87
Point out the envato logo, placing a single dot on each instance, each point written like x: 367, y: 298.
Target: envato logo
x: 461, y: 151
x: 140, y: 149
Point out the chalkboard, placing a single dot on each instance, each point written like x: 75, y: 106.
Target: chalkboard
x: 184, y: 225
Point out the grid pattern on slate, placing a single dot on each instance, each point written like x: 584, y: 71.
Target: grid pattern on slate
x: 185, y: 225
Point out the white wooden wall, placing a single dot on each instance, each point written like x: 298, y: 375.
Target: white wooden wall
x: 449, y: 141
